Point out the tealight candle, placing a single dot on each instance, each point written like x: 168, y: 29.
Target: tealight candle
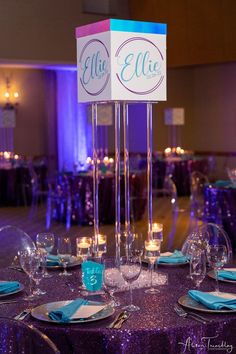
x: 152, y: 245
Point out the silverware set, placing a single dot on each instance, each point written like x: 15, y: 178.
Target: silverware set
x: 183, y: 313
x: 119, y: 320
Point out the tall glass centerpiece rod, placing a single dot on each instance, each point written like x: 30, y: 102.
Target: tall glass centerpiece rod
x: 149, y: 168
x: 95, y: 178
x: 126, y: 166
x: 117, y: 180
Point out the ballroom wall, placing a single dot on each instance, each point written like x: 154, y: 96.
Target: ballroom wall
x: 208, y: 94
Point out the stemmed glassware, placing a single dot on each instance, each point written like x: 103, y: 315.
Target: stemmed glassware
x: 198, y: 268
x: 130, y: 268
x: 111, y: 277
x: 152, y: 253
x: 45, y: 243
x: 217, y: 258
x: 30, y: 263
x: 64, y: 253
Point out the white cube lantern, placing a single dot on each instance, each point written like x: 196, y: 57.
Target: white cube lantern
x: 174, y: 116
x: 121, y: 60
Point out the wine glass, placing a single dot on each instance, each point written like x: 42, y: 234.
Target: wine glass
x: 38, y: 274
x: 45, y: 243
x: 64, y: 253
x: 30, y: 263
x: 130, y: 268
x: 111, y: 279
x: 217, y: 258
x: 198, y: 268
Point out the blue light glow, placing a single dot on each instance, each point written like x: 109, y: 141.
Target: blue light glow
x: 74, y: 132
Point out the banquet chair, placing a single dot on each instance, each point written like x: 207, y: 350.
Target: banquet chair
x: 204, y: 235
x: 13, y: 240
x: 17, y: 337
x: 59, y: 202
x: 197, y: 202
x: 38, y: 193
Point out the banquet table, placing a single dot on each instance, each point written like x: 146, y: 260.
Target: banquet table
x: 180, y: 169
x: 15, y: 184
x: 156, y: 328
x: 220, y: 207
x: 81, y: 192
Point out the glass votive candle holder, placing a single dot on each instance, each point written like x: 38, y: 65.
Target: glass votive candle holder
x: 102, y: 244
x: 84, y: 247
x: 157, y: 231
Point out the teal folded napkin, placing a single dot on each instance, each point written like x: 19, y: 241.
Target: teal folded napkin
x: 224, y: 184
x: 64, y: 313
x: 227, y: 274
x: 9, y: 286
x: 175, y: 257
x: 53, y: 260
x: 212, y: 301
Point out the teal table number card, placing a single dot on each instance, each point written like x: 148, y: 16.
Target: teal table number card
x: 92, y: 275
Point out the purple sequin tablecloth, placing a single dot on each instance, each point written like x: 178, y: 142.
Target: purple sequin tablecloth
x: 220, y: 208
x: 156, y: 328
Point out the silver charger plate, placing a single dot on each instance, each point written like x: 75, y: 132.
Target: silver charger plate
x: 211, y: 274
x: 12, y: 292
x: 188, y: 302
x: 75, y: 261
x: 41, y: 312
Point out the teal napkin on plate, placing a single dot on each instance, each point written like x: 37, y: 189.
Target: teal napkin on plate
x: 9, y: 286
x: 227, y: 274
x: 224, y: 184
x: 176, y: 257
x: 53, y: 260
x: 212, y: 301
x: 64, y: 313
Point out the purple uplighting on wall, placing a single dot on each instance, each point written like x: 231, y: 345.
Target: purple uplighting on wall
x: 74, y: 131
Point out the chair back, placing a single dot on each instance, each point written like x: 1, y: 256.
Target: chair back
x: 13, y: 240
x: 204, y: 235
x: 17, y: 337
x: 197, y: 183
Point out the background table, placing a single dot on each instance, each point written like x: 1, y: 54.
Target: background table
x: 220, y: 207
x: 156, y: 328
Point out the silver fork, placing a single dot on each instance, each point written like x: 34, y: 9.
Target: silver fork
x: 182, y: 313
x: 22, y: 315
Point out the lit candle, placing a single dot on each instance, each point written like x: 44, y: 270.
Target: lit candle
x: 102, y: 239
x: 152, y: 246
x: 84, y: 242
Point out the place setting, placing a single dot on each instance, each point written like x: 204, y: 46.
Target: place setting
x: 213, y: 301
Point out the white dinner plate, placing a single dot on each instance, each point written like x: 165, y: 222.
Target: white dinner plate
x: 41, y: 312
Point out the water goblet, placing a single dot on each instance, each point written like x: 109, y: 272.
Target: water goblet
x: 198, y: 268
x: 217, y: 258
x: 64, y: 253
x: 130, y: 268
x: 30, y: 263
x: 111, y: 279
x: 45, y: 243
x: 152, y: 253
